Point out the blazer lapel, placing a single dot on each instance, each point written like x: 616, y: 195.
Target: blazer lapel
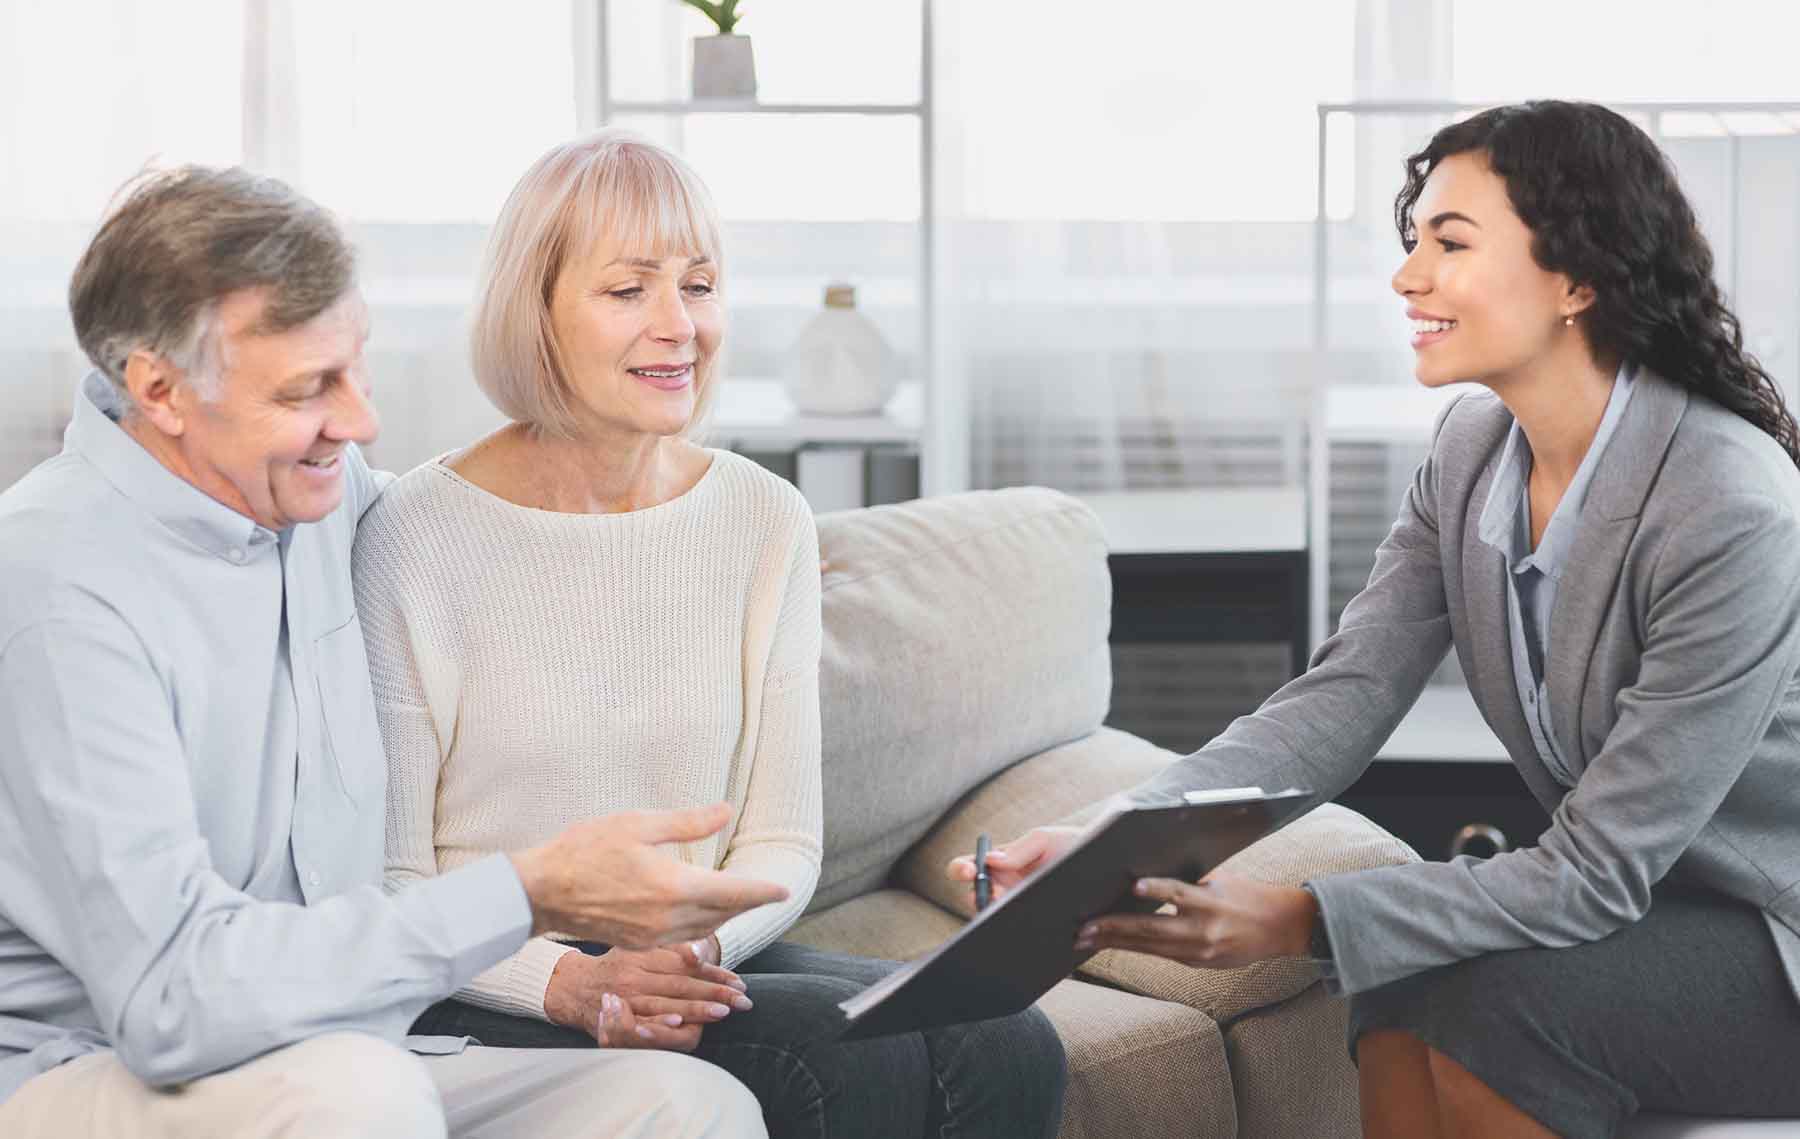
x: 1584, y: 596
x: 1490, y: 644
x: 1583, y: 599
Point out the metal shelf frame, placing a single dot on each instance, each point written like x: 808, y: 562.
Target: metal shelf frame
x: 943, y: 443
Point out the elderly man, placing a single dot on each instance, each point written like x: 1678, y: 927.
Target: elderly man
x: 193, y: 936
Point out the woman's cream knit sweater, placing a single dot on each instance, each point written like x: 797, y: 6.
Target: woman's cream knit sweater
x: 533, y: 669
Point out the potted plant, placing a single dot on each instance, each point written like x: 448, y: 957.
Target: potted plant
x: 723, y: 65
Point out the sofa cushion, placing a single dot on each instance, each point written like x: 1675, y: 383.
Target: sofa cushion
x: 889, y: 924
x: 1066, y: 783
x: 1291, y: 1069
x: 1139, y: 1067
x: 1327, y: 840
x: 960, y: 633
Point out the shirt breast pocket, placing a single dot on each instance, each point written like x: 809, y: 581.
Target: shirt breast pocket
x: 347, y: 705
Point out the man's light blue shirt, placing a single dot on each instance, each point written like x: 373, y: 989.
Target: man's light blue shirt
x: 192, y: 781
x: 1533, y: 576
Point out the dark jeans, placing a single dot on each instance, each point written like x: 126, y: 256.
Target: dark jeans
x: 1001, y: 1077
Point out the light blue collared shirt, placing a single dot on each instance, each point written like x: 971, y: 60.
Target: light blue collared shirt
x: 192, y: 781
x: 1534, y: 575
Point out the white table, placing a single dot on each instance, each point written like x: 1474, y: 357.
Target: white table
x: 1208, y: 565
x: 756, y: 414
x: 831, y: 453
x: 1444, y: 727
x: 1228, y: 520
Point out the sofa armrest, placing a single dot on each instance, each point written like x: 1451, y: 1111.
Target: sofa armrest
x: 1327, y: 840
x: 1067, y: 783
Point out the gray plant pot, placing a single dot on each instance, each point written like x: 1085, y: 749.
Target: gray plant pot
x: 724, y: 68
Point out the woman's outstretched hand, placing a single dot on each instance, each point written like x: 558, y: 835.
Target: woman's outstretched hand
x: 1013, y: 862
x: 652, y: 998
x: 1223, y: 921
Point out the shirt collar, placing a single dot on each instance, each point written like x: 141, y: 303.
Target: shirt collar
x: 187, y: 511
x: 1505, y: 522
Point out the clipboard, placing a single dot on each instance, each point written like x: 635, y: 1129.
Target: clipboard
x: 1016, y: 949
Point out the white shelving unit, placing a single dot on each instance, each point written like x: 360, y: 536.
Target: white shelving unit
x: 755, y: 411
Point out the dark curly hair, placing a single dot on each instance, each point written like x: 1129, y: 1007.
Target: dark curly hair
x: 1604, y: 208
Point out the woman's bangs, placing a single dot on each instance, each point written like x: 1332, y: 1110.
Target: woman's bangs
x: 636, y: 201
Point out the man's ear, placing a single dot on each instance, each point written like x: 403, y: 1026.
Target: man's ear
x: 153, y: 383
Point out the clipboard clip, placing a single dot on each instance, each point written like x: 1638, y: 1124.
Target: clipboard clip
x: 1222, y: 795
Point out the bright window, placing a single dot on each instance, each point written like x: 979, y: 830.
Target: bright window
x: 1625, y: 50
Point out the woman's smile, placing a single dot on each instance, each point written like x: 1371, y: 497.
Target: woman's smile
x: 665, y: 377
x: 1428, y: 329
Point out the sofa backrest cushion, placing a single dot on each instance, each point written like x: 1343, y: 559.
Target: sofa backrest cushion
x: 962, y: 633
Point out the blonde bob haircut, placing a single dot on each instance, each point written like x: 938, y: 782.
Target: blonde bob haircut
x: 611, y: 187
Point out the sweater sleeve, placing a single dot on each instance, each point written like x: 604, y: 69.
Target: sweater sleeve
x: 410, y: 675
x: 780, y: 822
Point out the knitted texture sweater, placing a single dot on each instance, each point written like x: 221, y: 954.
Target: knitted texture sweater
x: 532, y: 669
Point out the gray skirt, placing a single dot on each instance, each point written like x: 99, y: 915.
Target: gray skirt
x: 1689, y: 1011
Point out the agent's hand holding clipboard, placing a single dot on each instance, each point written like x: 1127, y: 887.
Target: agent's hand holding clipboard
x: 1223, y: 921
x: 1054, y: 884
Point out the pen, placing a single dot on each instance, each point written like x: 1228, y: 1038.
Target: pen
x: 982, y: 882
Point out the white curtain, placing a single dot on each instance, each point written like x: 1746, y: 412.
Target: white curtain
x: 90, y: 91
x: 1124, y: 247
x: 1126, y: 198
x: 1128, y: 244
x: 410, y: 120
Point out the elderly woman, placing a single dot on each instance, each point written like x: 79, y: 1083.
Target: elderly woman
x: 587, y: 612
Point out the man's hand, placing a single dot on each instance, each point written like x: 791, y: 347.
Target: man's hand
x: 604, y: 880
x: 1224, y: 921
x: 1012, y: 863
x: 663, y: 990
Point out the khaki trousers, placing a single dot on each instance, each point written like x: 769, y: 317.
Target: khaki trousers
x: 355, y: 1086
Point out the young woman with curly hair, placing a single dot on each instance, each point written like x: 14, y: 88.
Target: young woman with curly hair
x: 1609, y: 536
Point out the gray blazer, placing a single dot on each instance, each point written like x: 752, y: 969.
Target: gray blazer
x: 1671, y: 676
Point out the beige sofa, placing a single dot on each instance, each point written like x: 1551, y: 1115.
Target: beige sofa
x: 964, y: 681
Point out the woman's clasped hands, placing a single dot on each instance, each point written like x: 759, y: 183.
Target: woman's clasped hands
x: 645, y: 998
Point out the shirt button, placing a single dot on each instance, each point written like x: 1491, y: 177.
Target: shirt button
x: 313, y: 878
x: 238, y: 556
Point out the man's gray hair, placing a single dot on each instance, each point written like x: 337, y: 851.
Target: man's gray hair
x: 180, y: 241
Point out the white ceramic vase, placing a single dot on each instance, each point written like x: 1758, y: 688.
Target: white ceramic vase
x: 840, y: 365
x: 724, y: 68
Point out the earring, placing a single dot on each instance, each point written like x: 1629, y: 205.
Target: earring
x: 1569, y: 320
